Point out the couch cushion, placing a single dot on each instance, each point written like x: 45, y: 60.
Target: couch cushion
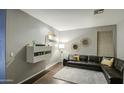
x: 100, y: 58
x: 111, y: 72
x: 95, y: 59
x: 83, y: 58
x: 119, y: 65
x: 77, y: 62
x: 85, y: 63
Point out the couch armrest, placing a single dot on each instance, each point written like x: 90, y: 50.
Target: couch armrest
x: 65, y: 62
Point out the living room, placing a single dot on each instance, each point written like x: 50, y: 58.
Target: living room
x: 67, y: 37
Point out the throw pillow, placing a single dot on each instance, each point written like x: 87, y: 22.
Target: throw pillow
x: 107, y: 62
x: 77, y: 58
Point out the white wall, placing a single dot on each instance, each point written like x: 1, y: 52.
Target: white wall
x: 22, y: 29
x: 76, y: 37
x: 71, y: 36
x: 120, y: 40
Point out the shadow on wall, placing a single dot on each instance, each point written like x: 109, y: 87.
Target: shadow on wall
x: 19, y: 69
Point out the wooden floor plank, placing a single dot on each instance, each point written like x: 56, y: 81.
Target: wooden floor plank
x: 48, y: 78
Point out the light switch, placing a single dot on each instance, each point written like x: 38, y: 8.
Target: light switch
x: 11, y: 54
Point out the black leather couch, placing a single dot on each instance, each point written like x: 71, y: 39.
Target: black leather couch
x: 113, y: 75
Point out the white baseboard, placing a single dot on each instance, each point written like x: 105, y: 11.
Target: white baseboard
x: 50, y: 66
x: 30, y: 77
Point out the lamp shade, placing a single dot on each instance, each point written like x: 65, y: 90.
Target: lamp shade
x: 61, y: 46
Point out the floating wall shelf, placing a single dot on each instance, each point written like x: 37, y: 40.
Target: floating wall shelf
x: 36, y: 54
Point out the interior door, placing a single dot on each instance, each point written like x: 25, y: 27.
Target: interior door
x: 105, y: 44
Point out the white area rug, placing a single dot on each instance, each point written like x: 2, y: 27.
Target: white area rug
x: 80, y: 76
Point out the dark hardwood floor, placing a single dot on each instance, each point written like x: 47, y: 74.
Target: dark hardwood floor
x: 48, y: 77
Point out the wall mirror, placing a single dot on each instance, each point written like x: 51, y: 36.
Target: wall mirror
x: 75, y: 46
x: 85, y: 42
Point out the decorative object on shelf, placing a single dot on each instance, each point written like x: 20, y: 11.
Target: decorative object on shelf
x: 37, y: 53
x: 75, y: 46
x: 85, y: 42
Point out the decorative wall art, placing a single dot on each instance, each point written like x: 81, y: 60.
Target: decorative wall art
x: 75, y: 46
x: 85, y: 42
